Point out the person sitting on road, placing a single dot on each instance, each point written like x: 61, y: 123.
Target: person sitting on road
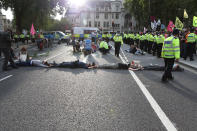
x: 134, y: 50
x: 23, y: 55
x: 94, y: 47
x: 74, y: 64
x: 73, y: 43
x: 88, y: 46
x: 76, y: 48
x: 104, y: 47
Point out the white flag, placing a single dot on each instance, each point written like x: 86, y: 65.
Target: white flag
x: 159, y: 22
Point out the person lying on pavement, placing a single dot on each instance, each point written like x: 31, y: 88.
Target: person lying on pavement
x: 137, y: 67
x: 74, y: 64
x: 35, y: 63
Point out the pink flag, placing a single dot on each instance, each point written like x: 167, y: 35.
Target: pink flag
x: 170, y: 26
x: 32, y: 30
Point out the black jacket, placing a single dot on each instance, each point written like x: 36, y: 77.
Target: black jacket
x: 5, y: 40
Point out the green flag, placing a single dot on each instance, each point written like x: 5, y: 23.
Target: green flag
x: 185, y: 14
x: 195, y: 21
x: 178, y: 24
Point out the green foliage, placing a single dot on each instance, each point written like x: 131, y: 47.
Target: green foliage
x: 56, y: 25
x: 164, y: 9
x: 27, y: 12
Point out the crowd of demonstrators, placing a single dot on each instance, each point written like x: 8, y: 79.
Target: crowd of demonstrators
x: 91, y: 43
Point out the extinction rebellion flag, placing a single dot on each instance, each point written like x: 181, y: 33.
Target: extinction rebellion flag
x: 178, y: 24
x: 195, y: 21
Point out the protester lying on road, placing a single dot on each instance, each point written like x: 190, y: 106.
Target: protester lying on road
x: 176, y: 67
x: 36, y: 63
x: 74, y: 64
x: 134, y: 67
x: 120, y: 66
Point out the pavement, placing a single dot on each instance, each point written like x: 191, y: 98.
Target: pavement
x: 192, y: 64
x: 43, y: 99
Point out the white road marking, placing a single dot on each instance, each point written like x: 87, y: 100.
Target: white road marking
x: 160, y: 113
x: 5, y: 78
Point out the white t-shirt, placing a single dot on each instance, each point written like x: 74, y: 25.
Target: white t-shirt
x: 37, y: 63
x: 23, y: 57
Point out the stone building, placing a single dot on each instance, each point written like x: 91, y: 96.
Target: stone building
x: 107, y: 15
x: 4, y: 23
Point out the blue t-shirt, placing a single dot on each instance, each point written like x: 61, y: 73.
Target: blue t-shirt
x: 88, y: 44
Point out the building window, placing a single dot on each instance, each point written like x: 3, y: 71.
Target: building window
x: 97, y: 15
x: 99, y: 24
x: 106, y: 15
x: 112, y: 15
x: 104, y: 24
x: 95, y: 24
x: 97, y: 8
x: 117, y: 16
x: 107, y: 24
x: 106, y: 8
x: 117, y: 25
x: 90, y: 24
x: 117, y: 7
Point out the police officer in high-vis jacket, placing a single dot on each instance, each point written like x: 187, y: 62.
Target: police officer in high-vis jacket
x: 170, y: 53
x: 118, y: 42
x: 191, y: 41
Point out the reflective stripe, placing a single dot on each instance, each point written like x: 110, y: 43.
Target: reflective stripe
x: 171, y: 50
x: 167, y: 42
x: 169, y: 55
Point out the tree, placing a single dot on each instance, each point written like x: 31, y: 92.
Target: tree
x: 56, y: 25
x: 27, y: 12
x: 162, y: 9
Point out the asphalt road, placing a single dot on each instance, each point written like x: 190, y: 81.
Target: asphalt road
x: 37, y: 99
